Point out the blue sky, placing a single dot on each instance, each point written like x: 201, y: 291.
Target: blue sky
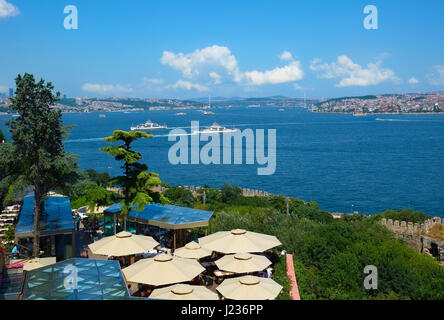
x: 184, y: 49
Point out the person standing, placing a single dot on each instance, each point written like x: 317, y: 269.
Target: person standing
x: 77, y: 222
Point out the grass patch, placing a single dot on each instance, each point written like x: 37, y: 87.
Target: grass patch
x: 436, y: 232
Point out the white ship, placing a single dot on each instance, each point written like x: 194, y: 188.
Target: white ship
x: 148, y: 126
x: 215, y: 129
x: 180, y: 114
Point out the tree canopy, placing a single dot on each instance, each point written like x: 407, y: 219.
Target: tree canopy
x: 36, y: 156
x: 136, y: 182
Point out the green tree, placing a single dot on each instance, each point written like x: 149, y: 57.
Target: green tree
x: 98, y: 196
x: 180, y: 196
x: 209, y: 195
x: 407, y: 215
x: 230, y: 193
x: 3, y: 166
x: 137, y: 183
x: 101, y: 179
x: 37, y: 155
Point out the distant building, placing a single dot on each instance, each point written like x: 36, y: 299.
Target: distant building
x: 64, y: 96
x: 11, y: 92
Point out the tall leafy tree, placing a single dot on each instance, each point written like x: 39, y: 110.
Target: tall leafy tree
x: 136, y: 182
x: 36, y: 157
x: 3, y: 165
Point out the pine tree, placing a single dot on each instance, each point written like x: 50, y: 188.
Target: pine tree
x: 37, y: 155
x: 137, y: 183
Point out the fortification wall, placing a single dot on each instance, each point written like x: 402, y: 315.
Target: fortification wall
x: 245, y: 192
x: 415, y: 235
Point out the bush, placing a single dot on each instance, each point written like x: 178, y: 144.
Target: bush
x: 330, y: 256
x: 180, y: 196
x: 407, y: 215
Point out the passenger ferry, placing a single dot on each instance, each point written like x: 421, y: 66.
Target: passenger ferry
x: 215, y: 129
x: 149, y: 126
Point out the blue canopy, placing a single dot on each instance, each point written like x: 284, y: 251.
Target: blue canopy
x: 96, y: 280
x: 167, y: 216
x: 56, y: 217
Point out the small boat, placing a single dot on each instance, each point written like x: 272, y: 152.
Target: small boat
x: 102, y: 115
x: 215, y: 129
x: 281, y: 110
x: 208, y: 113
x: 180, y: 114
x: 149, y: 126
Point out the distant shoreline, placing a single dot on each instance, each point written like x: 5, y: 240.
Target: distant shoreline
x: 381, y: 113
x: 319, y: 112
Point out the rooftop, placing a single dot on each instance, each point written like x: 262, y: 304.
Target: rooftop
x: 167, y: 216
x: 97, y: 280
x: 57, y: 216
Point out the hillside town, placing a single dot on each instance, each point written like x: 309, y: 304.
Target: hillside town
x: 398, y: 103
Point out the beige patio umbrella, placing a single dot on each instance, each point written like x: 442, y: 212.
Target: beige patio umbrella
x: 184, y: 292
x: 238, y: 241
x: 243, y: 263
x: 163, y: 269
x: 38, y: 263
x: 192, y: 250
x: 123, y: 244
x: 249, y: 288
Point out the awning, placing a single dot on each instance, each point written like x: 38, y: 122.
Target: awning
x: 166, y: 216
x: 55, y: 219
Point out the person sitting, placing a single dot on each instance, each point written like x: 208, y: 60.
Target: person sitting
x: 15, y: 252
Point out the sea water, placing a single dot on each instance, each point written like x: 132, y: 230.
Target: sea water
x: 345, y: 163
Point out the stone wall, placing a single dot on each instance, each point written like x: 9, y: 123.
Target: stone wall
x: 245, y: 192
x: 433, y: 247
x: 415, y: 235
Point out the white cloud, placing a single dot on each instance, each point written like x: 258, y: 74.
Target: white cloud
x: 352, y: 74
x: 147, y: 80
x: 106, y: 88
x: 413, y: 80
x: 288, y: 73
x: 219, y: 58
x: 216, y: 77
x: 190, y: 64
x: 181, y: 84
x: 8, y: 9
x: 286, y: 56
x: 436, y: 77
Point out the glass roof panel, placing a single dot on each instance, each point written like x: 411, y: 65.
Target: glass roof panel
x: 96, y: 280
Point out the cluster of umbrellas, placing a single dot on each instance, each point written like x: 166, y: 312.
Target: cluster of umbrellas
x: 238, y: 246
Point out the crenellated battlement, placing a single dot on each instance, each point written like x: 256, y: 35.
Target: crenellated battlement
x: 245, y: 192
x: 415, y: 235
x: 410, y: 227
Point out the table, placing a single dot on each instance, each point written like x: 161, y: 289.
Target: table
x: 219, y: 273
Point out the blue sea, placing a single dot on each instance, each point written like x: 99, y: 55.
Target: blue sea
x: 345, y: 163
